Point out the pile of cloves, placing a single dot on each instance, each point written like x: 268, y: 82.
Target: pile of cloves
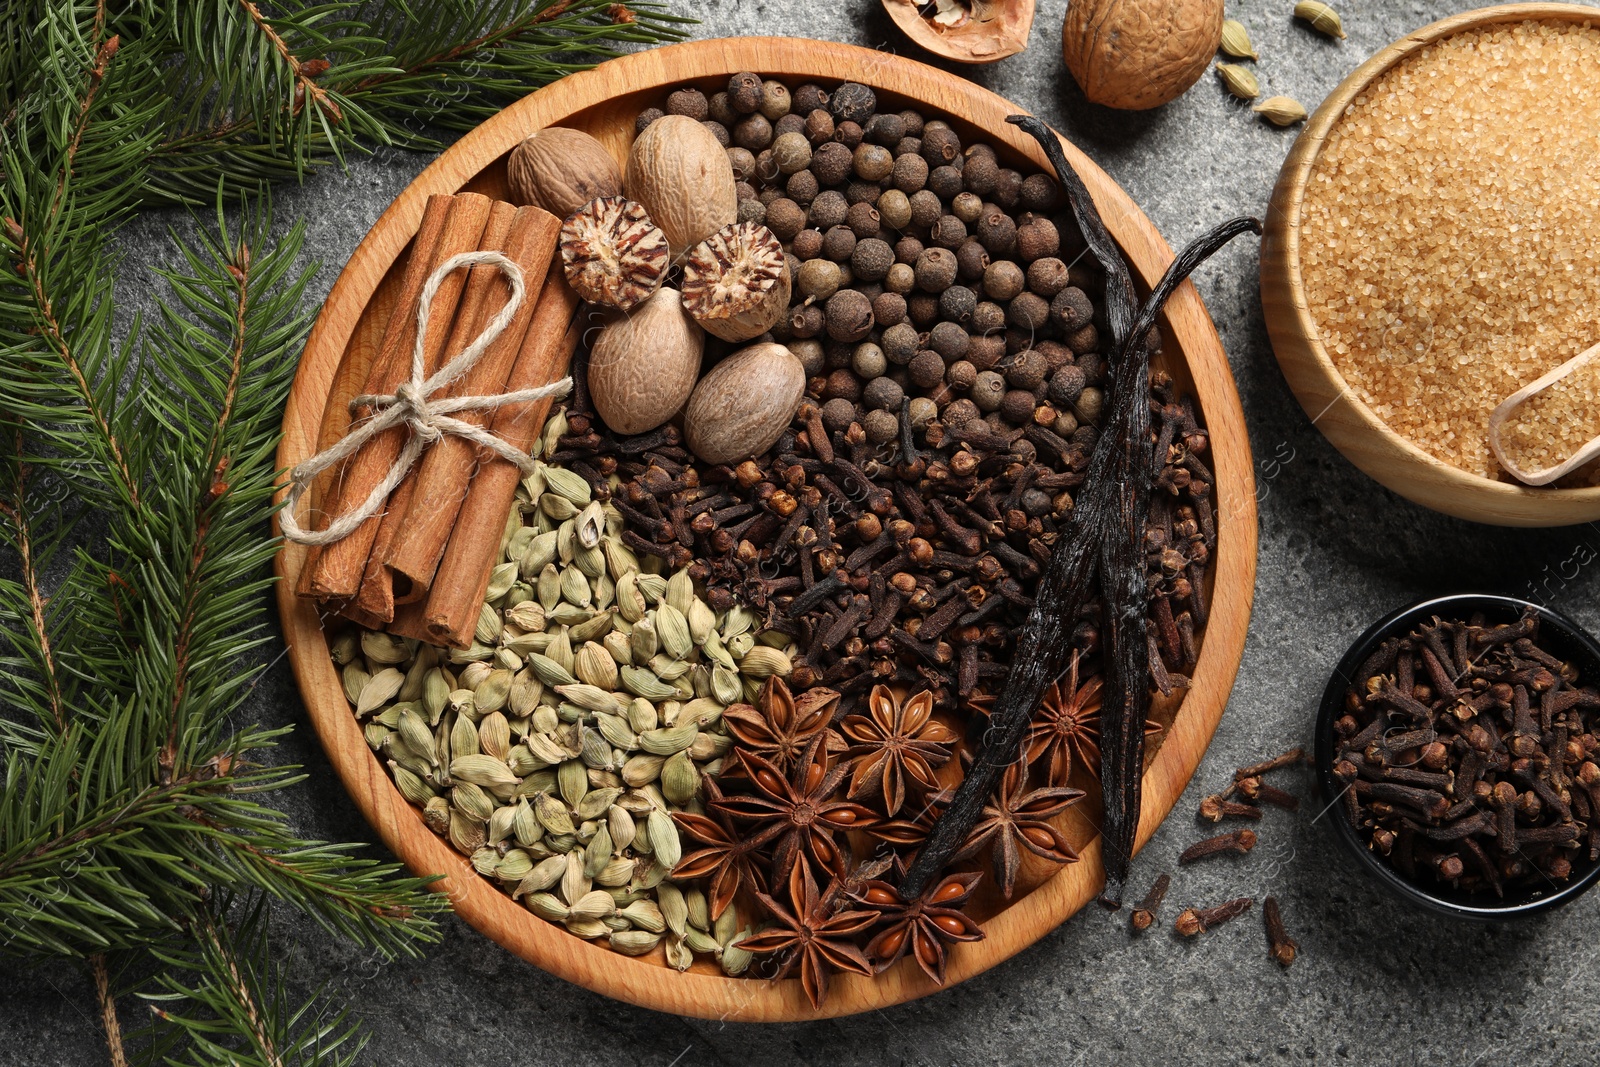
x: 1471, y: 757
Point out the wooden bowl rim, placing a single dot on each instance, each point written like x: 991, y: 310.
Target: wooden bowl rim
x: 651, y: 985
x: 1288, y: 201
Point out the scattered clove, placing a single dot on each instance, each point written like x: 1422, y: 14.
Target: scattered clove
x: 1195, y: 921
x: 1280, y: 946
x: 1240, y: 841
x: 1145, y: 914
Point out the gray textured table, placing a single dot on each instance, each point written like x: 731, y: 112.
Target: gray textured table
x: 1375, y: 982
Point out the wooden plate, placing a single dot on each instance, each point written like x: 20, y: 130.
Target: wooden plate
x: 1353, y: 427
x: 604, y: 102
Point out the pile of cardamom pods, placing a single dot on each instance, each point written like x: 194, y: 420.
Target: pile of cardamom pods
x: 553, y: 751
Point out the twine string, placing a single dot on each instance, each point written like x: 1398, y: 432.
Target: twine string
x: 415, y: 406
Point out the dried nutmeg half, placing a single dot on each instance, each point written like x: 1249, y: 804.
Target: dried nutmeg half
x: 736, y: 282
x: 612, y: 253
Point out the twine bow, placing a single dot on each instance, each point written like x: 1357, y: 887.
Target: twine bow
x: 415, y: 407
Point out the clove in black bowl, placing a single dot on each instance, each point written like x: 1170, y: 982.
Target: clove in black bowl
x: 1557, y: 635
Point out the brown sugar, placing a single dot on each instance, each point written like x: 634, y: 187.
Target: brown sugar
x: 1450, y: 241
x: 1555, y: 422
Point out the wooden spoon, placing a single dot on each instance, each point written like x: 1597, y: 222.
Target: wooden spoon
x: 967, y: 31
x: 1501, y: 414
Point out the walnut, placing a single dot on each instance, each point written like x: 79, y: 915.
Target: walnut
x: 967, y: 31
x: 612, y: 253
x: 736, y: 282
x: 1138, y: 54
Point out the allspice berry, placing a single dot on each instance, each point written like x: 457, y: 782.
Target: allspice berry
x: 864, y: 221
x: 987, y: 317
x: 1037, y: 239
x: 926, y: 369
x: 996, y: 230
x: 926, y: 207
x: 948, y: 232
x: 881, y: 426
x: 1090, y: 405
x: 885, y: 129
x: 838, y: 414
x: 1017, y: 406
x: 987, y: 351
x: 902, y: 278
x: 899, y: 343
x: 1003, y: 280
x: 789, y: 124
x: 981, y: 173
x: 744, y: 92
x: 960, y: 412
x: 742, y: 162
x: 809, y: 353
x: 831, y: 162
x: 945, y: 183
x: 854, y: 102
x: 828, y: 209
x: 957, y: 303
x: 961, y: 375
x: 894, y: 209
x: 883, y: 394
x: 842, y: 385
x: 807, y: 244
x: 838, y: 242
x: 774, y: 100
x: 808, y: 98
x: 910, y: 173
x: 802, y: 188
x: 872, y: 162
x: 1028, y: 311
x: 646, y: 117
x: 1071, y: 309
x: 1084, y: 340
x: 1026, y: 371
x: 817, y: 279
x: 949, y: 340
x: 1065, y: 385
x: 936, y: 270
x: 785, y: 219
x: 940, y: 144
x: 847, y: 133
x: 849, y: 315
x: 888, y: 308
x: 1047, y: 276
x: 988, y: 391
x: 718, y: 131
x: 690, y: 102
x: 868, y: 361
x: 791, y: 152
x: 972, y: 259
x: 871, y: 259
x: 967, y: 207
x: 753, y: 132
x: 818, y: 127
x: 1039, y: 193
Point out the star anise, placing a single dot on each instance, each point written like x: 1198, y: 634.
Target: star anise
x: 1017, y: 817
x: 893, y: 743
x: 729, y: 858
x: 1066, y: 728
x: 812, y: 936
x: 780, y: 728
x: 799, y: 815
x: 923, y: 926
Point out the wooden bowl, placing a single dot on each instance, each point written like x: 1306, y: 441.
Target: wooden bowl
x: 1352, y: 426
x: 604, y: 102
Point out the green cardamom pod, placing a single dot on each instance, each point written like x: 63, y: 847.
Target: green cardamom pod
x: 435, y: 694
x: 642, y: 769
x: 383, y: 648
x: 590, y: 698
x: 593, y: 665
x: 1281, y: 110
x: 674, y: 909
x: 555, y: 427
x: 527, y: 828
x: 619, y: 647
x: 763, y: 662
x: 436, y: 814
x: 1236, y: 40
x: 645, y: 915
x: 344, y: 648
x: 1322, y: 18
x: 679, y: 779
x: 495, y: 691
x: 466, y: 833
x: 355, y: 678
x: 642, y: 715
x: 590, y: 524
x: 526, y: 689
x: 673, y: 630
x: 500, y: 581
x: 472, y: 801
x: 1239, y: 80
x: 567, y: 485
x: 378, y: 691
x: 418, y: 736
x: 575, y: 587
x: 700, y: 941
x: 482, y: 770
x: 679, y: 957
x: 546, y: 873
x: 620, y: 825
x: 597, y: 853
x: 575, y: 885
x: 473, y: 675
x: 596, y: 626
x: 376, y: 734
x: 572, y: 780
x: 548, y: 587
x: 702, y: 621
x: 413, y: 788
x: 665, y: 741
x: 485, y: 860
x: 557, y: 506
x: 616, y: 732
x: 736, y: 960
x: 594, y: 751
x: 725, y: 685
x: 464, y: 738
x: 549, y: 671
x: 502, y: 824
x: 591, y: 562
x: 605, y: 590
x: 552, y: 814
x: 726, y: 926
x: 546, y: 750
x: 560, y: 650
x: 630, y: 602
x: 739, y: 645
x: 547, y: 907
x: 597, y: 802
x: 634, y: 942
x: 494, y: 735
x: 653, y: 586
x: 620, y: 559
x: 664, y: 840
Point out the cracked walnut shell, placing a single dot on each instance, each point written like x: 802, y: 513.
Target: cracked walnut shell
x: 736, y: 282
x: 612, y: 253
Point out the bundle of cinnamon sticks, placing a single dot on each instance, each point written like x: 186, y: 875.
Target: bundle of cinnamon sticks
x: 420, y: 567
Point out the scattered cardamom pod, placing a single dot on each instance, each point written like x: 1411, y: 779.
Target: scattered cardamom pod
x: 1236, y: 40
x: 1239, y: 80
x: 1322, y: 18
x: 1281, y: 110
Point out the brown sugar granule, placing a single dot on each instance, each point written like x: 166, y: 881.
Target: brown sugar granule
x: 1450, y: 239
x: 1553, y: 424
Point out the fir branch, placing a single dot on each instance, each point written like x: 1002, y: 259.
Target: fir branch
x: 108, y: 1010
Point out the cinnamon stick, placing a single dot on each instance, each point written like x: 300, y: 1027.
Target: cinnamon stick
x: 450, y: 614
x: 447, y: 468
x: 336, y: 574
x: 336, y: 417
x: 375, y: 598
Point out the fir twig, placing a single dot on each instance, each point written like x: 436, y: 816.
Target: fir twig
x: 108, y: 1010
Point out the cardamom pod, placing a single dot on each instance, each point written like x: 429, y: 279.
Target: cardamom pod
x: 593, y: 750
x: 591, y: 524
x: 665, y: 741
x: 575, y: 587
x: 343, y: 649
x: 605, y: 590
x: 1239, y: 80
x: 526, y: 689
x: 653, y: 586
x: 736, y: 960
x: 383, y: 648
x: 763, y: 662
x: 726, y: 925
x: 567, y: 485
x: 597, y: 802
x: 572, y: 780
x: 485, y: 860
x: 620, y: 825
x: 500, y: 581
x: 725, y: 685
x: 664, y: 839
x: 616, y: 732
x: 590, y: 698
x: 548, y: 587
x: 546, y: 873
x: 514, y: 866
x: 472, y: 801
x: 547, y: 907
x: 413, y: 788
x: 418, y: 736
x: 560, y: 650
x: 502, y: 825
x: 642, y: 769
x: 552, y: 814
x: 630, y: 602
x: 549, y: 671
x: 557, y: 506
x: 634, y: 942
x: 642, y: 715
x: 679, y: 779
x: 1236, y: 40
x: 700, y: 941
x: 679, y: 958
x: 673, y: 630
x: 575, y: 885
x: 473, y: 674
x: 597, y: 853
x: 597, y: 625
x: 378, y: 690
x: 699, y: 908
x: 1281, y: 110
x: 495, y: 691
x: 555, y: 427
x: 482, y: 770
x: 436, y: 814
x: 674, y: 909
x: 619, y: 647
x: 494, y: 735
x: 739, y: 645
x: 466, y: 833
x: 526, y: 826
x: 593, y: 665
x: 377, y: 735
x: 1322, y: 18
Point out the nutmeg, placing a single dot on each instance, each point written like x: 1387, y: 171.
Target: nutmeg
x: 736, y: 282
x: 560, y: 170
x: 744, y: 404
x: 682, y: 176
x: 643, y: 365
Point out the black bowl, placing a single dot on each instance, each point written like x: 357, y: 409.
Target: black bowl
x: 1563, y: 638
